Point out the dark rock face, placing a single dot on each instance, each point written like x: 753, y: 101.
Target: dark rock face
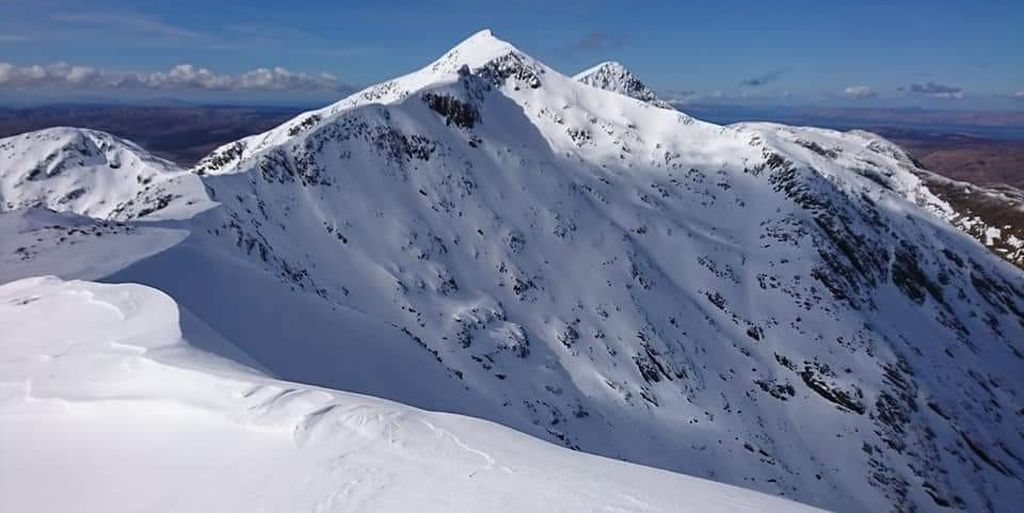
x: 454, y: 111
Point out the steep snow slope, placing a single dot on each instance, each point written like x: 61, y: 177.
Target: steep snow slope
x: 95, y: 174
x: 613, y: 76
x: 104, y: 407
x: 992, y: 216
x: 767, y: 306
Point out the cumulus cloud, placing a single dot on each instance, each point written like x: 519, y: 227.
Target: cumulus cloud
x: 181, y: 77
x: 1019, y: 95
x: 767, y: 78
x: 54, y: 74
x: 859, y: 92
x: 936, y: 90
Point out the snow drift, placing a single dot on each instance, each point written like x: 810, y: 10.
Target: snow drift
x: 105, y: 407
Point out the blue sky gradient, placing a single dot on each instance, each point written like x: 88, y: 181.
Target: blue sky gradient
x: 936, y: 54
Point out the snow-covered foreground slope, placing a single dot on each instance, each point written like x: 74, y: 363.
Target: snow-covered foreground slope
x: 95, y: 174
x: 105, y: 407
x: 773, y: 307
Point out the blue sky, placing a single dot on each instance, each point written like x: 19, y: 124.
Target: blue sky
x: 937, y: 54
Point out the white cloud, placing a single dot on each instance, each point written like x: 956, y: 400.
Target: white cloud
x: 1019, y: 95
x: 181, y: 77
x: 859, y: 92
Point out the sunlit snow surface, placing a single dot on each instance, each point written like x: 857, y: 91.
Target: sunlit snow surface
x: 105, y: 407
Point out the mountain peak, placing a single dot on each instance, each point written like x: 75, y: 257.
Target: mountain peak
x: 610, y: 66
x: 613, y: 76
x: 481, y: 39
x: 475, y: 51
x: 484, y: 34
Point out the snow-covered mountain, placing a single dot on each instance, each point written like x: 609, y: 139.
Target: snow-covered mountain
x: 783, y: 309
x: 95, y: 174
x: 613, y: 76
x: 110, y: 409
